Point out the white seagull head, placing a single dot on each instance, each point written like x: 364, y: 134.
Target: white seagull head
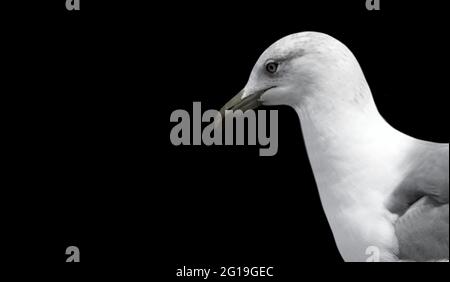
x: 304, y: 67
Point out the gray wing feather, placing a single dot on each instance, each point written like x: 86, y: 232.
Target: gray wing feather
x: 422, y: 203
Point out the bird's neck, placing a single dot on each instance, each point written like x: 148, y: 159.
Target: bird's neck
x: 352, y: 149
x: 357, y: 161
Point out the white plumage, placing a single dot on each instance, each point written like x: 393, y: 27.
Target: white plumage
x: 380, y: 188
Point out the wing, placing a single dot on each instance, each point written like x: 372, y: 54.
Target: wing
x: 422, y: 203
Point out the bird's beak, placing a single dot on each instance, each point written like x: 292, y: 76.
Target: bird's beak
x: 250, y: 102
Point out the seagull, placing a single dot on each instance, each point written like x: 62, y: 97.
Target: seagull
x: 384, y: 193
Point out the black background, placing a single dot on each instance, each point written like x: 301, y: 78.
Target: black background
x: 88, y: 95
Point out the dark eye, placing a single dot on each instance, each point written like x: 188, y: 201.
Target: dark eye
x: 271, y: 67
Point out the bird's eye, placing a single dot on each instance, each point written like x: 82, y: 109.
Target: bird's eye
x: 271, y: 67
